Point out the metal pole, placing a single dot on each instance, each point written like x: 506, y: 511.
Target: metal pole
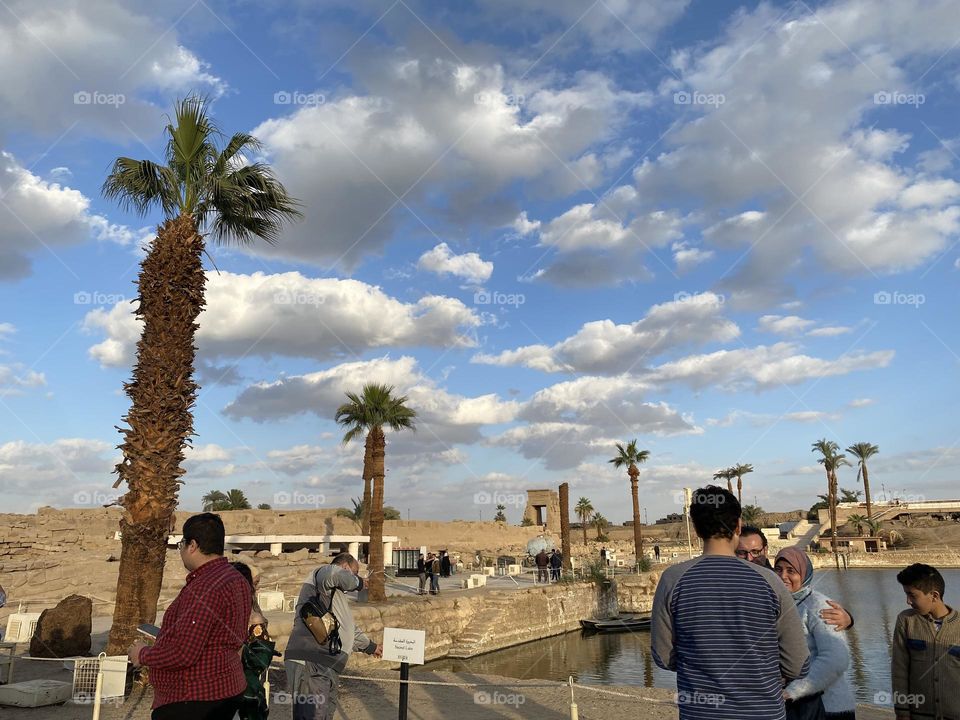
x: 98, y: 690
x: 404, y: 689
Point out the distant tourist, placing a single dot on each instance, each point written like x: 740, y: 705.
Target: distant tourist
x: 258, y: 621
x: 444, y: 563
x: 603, y: 556
x: 542, y: 561
x: 3, y: 601
x: 656, y: 552
x: 753, y: 548
x: 435, y: 576
x: 556, y: 562
x: 826, y: 683
x: 422, y: 572
x: 195, y: 665
x: 313, y: 670
x: 257, y: 654
x: 926, y: 663
x: 729, y: 629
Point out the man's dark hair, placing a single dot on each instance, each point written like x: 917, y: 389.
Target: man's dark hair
x: 207, y: 530
x: 924, y: 578
x: 715, y: 512
x: 344, y: 560
x: 243, y: 569
x: 754, y: 530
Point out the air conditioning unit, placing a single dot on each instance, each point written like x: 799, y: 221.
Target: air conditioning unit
x: 20, y: 627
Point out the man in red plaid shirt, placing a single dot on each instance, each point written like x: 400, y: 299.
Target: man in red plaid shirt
x: 195, y: 666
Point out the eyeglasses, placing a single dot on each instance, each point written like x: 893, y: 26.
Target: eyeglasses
x: 182, y: 544
x: 744, y: 554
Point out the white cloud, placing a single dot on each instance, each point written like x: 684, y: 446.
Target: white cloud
x: 783, y: 325
x: 605, y: 347
x: 830, y: 331
x: 469, y: 266
x: 523, y: 226
x: 15, y: 378
x: 291, y: 315
x: 687, y: 257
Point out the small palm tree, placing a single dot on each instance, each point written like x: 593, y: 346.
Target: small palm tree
x: 213, y: 500
x: 863, y: 451
x: 751, y: 514
x: 369, y: 412
x: 263, y: 506
x: 583, y: 509
x: 203, y: 191
x: 858, y: 521
x: 500, y: 516
x: 739, y: 470
x: 873, y: 526
x: 600, y: 523
x: 356, y: 514
x: 630, y: 457
x: 831, y: 459
x: 725, y: 474
x: 216, y: 501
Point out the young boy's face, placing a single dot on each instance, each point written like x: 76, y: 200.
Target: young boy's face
x: 923, y: 603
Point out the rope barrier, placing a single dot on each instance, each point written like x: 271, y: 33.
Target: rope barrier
x: 370, y: 678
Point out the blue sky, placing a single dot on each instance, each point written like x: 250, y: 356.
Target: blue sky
x: 724, y: 229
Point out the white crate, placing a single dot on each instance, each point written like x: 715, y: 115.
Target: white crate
x: 85, y: 678
x: 21, y: 626
x: 270, y: 600
x: 35, y: 693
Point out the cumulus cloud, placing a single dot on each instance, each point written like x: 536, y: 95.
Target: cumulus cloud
x: 469, y: 266
x: 288, y: 314
x: 16, y: 378
x: 783, y: 324
x: 604, y: 347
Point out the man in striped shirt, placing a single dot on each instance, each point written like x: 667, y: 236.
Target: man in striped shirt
x: 728, y: 628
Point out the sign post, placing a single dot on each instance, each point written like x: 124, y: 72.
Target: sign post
x: 406, y: 647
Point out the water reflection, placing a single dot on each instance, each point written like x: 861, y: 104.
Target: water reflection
x: 873, y: 597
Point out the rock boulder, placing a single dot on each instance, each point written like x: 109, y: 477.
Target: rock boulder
x: 64, y: 631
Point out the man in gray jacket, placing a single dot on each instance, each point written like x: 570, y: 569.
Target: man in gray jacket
x: 312, y: 671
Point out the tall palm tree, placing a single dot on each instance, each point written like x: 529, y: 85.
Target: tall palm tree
x: 583, y: 509
x: 739, y: 470
x: 831, y: 459
x: 600, y: 523
x: 203, y: 191
x: 725, y: 474
x: 863, y: 451
x: 369, y: 412
x: 631, y: 457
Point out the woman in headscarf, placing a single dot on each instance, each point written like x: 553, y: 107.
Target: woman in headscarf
x: 829, y: 654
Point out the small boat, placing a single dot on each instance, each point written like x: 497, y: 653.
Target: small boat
x: 617, y: 624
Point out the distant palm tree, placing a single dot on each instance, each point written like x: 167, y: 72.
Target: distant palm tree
x: 858, y: 521
x: 831, y: 459
x: 874, y: 526
x: 739, y: 470
x: 725, y: 474
x: 583, y: 509
x: 751, y: 514
x: 356, y: 513
x: 216, y: 501
x: 863, y: 451
x: 263, y: 506
x: 631, y: 457
x: 500, y: 516
x: 369, y: 412
x: 600, y: 523
x: 204, y: 192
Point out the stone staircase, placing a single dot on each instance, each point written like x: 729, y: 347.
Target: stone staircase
x: 482, y: 626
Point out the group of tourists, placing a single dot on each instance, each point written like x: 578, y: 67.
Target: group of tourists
x: 746, y: 642
x: 431, y: 568
x: 548, y: 565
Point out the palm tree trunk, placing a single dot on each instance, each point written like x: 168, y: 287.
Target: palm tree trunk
x: 739, y: 489
x: 565, y: 525
x: 160, y: 419
x: 832, y: 498
x: 583, y: 524
x: 730, y: 485
x: 866, y: 492
x: 367, y: 475
x: 637, y: 529
x: 377, y: 581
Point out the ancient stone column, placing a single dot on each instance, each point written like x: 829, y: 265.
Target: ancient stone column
x: 565, y: 525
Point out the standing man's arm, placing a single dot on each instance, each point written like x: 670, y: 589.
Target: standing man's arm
x: 900, y: 669
x: 661, y: 625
